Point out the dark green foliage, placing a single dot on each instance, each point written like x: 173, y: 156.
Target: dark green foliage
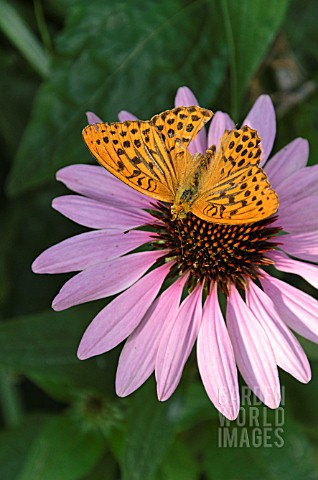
x: 60, y: 417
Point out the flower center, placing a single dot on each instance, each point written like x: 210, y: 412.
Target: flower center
x: 213, y: 252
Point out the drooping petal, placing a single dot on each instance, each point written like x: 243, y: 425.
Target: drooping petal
x: 219, y: 123
x: 104, y: 279
x: 137, y: 359
x: 176, y: 343
x: 97, y: 183
x: 126, y: 116
x: 81, y: 251
x: 92, y: 118
x: 288, y: 353
x: 285, y: 264
x: 301, y: 245
x: 299, y: 185
x: 299, y: 216
x: 262, y: 118
x: 287, y: 161
x: 94, y: 214
x: 253, y: 352
x: 185, y: 98
x: 216, y: 359
x: 119, y: 318
x: 296, y: 308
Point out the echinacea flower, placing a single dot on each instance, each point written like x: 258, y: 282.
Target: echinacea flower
x: 197, y: 261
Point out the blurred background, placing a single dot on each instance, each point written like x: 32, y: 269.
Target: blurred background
x: 60, y: 418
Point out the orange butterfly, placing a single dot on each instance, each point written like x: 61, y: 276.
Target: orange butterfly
x: 222, y: 186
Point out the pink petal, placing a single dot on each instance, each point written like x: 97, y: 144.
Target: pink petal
x: 137, y: 359
x: 120, y: 317
x: 301, y: 245
x: 126, y: 116
x: 79, y: 252
x: 287, y: 161
x: 92, y: 118
x: 262, y: 118
x: 176, y: 343
x: 97, y: 183
x: 299, y: 216
x: 95, y: 214
x: 216, y: 359
x: 253, y: 352
x: 219, y: 123
x: 104, y: 279
x: 287, y: 350
x: 285, y: 264
x: 297, y: 309
x: 185, y: 98
x: 301, y: 184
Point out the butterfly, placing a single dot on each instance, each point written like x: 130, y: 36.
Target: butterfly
x: 224, y: 185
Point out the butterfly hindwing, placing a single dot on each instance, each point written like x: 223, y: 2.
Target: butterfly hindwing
x: 235, y: 189
x: 238, y: 149
x: 246, y: 197
x: 133, y: 151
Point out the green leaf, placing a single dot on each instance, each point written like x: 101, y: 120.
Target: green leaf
x: 15, y: 445
x: 148, y: 436
x: 303, y: 399
x: 310, y: 348
x: 268, y: 445
x: 33, y: 225
x: 250, y: 28
x: 179, y: 464
x: 15, y: 105
x: 196, y: 407
x: 14, y: 27
x: 9, y: 223
x: 43, y: 346
x: 61, y: 452
x: 105, y: 469
x: 10, y: 400
x: 114, y: 56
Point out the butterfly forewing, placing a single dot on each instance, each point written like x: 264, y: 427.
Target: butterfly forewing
x: 134, y: 152
x: 235, y: 189
x: 181, y: 123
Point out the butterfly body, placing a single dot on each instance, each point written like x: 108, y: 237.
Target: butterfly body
x: 225, y: 185
x: 189, y: 187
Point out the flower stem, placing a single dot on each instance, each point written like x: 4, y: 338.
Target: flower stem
x: 231, y: 47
